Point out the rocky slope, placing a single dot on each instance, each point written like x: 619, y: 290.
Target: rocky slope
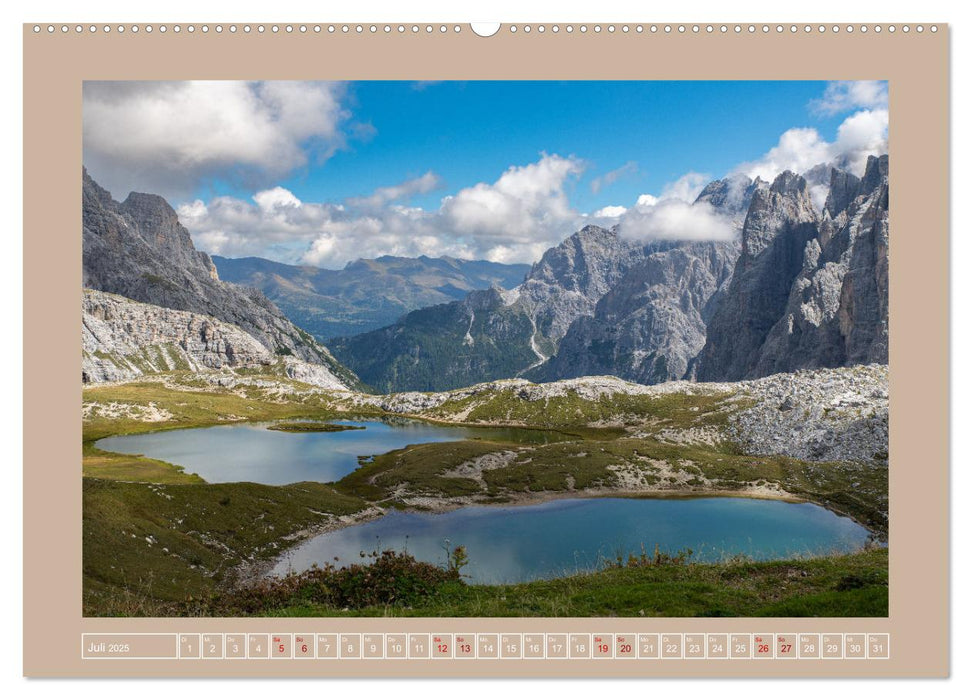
x: 366, y: 294
x: 139, y: 250
x: 651, y: 324
x: 493, y: 333
x: 810, y: 288
x: 839, y: 414
x: 122, y: 340
x: 598, y: 303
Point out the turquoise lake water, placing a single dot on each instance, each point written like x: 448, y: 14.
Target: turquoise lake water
x: 567, y: 536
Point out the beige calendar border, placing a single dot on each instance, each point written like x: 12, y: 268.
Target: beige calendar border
x: 915, y: 64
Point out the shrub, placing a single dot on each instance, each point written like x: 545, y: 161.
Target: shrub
x: 392, y: 578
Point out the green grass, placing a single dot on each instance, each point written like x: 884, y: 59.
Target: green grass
x: 199, y: 535
x: 798, y: 588
x: 313, y: 427
x: 151, y: 546
x: 571, y: 410
x: 111, y: 465
x: 859, y: 491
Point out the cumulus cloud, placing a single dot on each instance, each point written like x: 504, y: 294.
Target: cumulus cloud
x: 166, y: 137
x: 686, y: 188
x: 525, y: 209
x: 846, y: 95
x: 674, y: 214
x: 609, y: 178
x: 610, y: 212
x: 675, y: 219
x: 514, y: 219
x: 860, y: 135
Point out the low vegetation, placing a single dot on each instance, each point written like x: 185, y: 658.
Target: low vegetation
x: 175, y: 543
x: 395, y: 585
x: 160, y: 541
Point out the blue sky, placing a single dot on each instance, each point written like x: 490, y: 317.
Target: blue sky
x: 470, y: 132
x: 323, y: 173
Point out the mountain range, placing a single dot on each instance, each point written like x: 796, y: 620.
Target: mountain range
x: 798, y: 288
x: 367, y: 293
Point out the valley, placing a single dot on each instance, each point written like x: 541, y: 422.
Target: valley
x: 731, y: 396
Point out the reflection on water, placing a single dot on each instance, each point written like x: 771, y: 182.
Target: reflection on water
x: 561, y: 537
x: 250, y: 452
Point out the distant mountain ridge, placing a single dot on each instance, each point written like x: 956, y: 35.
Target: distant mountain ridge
x: 138, y: 249
x: 367, y: 293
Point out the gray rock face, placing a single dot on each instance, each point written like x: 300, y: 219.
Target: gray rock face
x: 817, y: 415
x: 809, y: 290
x: 122, y: 339
x: 138, y: 249
x: 570, y: 278
x: 780, y: 222
x: 651, y: 324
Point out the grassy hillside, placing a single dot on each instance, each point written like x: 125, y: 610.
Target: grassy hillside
x: 159, y: 541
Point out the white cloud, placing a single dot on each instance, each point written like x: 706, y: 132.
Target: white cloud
x: 166, y: 137
x: 527, y: 205
x: 609, y: 178
x: 514, y: 219
x: 675, y: 219
x: 674, y: 215
x: 847, y: 95
x: 686, y: 188
x: 610, y: 212
x: 860, y: 135
x: 278, y: 197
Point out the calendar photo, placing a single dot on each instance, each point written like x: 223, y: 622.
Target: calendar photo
x: 504, y: 349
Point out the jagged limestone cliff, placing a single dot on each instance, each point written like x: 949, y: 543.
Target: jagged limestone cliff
x: 810, y: 288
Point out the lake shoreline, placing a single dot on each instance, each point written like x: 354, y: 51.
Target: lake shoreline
x: 251, y: 572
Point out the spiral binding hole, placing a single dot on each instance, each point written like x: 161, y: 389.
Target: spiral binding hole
x: 513, y: 29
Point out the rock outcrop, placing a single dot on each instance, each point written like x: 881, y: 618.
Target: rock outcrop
x: 651, y: 325
x: 122, y: 339
x: 810, y: 289
x: 139, y: 250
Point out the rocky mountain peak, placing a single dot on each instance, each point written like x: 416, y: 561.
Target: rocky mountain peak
x: 877, y: 173
x: 843, y: 189
x: 139, y: 250
x: 788, y: 182
x: 809, y: 290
